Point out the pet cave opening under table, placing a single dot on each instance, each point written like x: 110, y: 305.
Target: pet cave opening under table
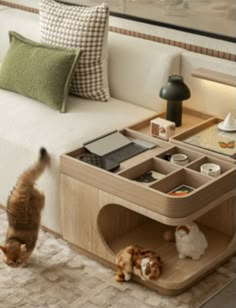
x: 105, y: 211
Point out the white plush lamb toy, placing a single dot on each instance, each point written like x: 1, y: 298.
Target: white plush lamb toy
x: 190, y: 241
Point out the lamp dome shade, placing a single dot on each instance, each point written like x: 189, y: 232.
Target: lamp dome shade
x: 175, y: 89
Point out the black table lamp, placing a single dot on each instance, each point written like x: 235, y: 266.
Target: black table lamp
x: 175, y: 92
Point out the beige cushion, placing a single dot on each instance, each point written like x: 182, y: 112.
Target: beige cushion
x: 84, y: 27
x: 38, y: 71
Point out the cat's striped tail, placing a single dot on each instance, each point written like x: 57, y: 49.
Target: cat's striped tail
x: 30, y: 175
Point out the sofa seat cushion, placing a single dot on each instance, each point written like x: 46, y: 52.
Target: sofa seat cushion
x: 29, y: 123
x: 26, y: 125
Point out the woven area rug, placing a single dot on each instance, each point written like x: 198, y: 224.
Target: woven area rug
x: 59, y: 277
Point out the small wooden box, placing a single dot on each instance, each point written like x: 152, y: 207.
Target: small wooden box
x: 162, y: 128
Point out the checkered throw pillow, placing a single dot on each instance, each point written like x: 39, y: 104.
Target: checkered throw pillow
x: 84, y: 27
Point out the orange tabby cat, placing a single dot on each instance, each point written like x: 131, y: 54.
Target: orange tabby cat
x: 135, y: 260
x: 24, y: 212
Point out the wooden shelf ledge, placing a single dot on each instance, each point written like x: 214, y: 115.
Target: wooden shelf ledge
x: 203, y: 73
x: 177, y: 274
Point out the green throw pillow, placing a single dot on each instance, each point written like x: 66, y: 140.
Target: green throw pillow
x: 39, y: 71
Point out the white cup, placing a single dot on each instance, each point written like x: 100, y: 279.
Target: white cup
x: 179, y: 159
x: 210, y: 169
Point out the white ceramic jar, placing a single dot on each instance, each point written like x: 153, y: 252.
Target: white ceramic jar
x: 210, y: 169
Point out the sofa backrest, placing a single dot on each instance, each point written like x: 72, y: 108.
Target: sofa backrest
x: 138, y: 68
x: 20, y: 21
x: 210, y: 97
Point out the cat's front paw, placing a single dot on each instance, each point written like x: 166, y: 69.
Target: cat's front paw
x: 120, y: 277
x: 127, y: 276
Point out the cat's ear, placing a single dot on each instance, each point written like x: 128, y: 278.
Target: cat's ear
x: 23, y: 248
x: 3, y: 248
x: 145, y: 251
x: 184, y: 228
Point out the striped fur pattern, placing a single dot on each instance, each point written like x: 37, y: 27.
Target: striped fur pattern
x: 141, y: 262
x: 24, y: 208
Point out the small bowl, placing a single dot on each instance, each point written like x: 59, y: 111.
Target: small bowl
x: 179, y: 159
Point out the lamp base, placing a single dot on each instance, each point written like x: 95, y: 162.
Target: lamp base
x: 174, y: 112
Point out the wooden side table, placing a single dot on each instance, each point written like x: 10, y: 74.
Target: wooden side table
x: 103, y: 211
